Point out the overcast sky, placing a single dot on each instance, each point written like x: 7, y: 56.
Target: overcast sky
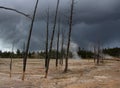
x: 94, y: 21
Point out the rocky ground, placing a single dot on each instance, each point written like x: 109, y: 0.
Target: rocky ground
x: 81, y: 74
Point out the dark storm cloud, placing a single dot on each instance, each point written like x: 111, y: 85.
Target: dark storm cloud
x: 97, y: 21
x: 106, y: 33
x: 93, y: 11
x: 93, y: 21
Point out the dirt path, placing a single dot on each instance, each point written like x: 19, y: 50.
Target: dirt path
x: 82, y: 74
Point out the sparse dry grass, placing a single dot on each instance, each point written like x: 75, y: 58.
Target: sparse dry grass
x: 81, y: 74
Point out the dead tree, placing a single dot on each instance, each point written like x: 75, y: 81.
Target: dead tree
x: 102, y: 55
x: 28, y: 42
x: 23, y: 52
x: 58, y: 37
x: 62, y: 49
x: 98, y: 54
x: 95, y: 54
x: 47, y: 33
x: 11, y: 60
x: 11, y: 9
x: 69, y: 36
x: 52, y: 38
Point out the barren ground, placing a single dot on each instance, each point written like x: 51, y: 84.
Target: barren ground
x: 81, y: 74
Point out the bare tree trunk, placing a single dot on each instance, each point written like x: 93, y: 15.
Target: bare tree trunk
x: 62, y: 50
x: 94, y: 54
x: 11, y: 60
x: 6, y: 8
x: 23, y: 54
x: 102, y: 58
x: 47, y: 32
x: 52, y: 38
x: 69, y: 36
x: 58, y: 43
x: 28, y: 42
x: 98, y: 55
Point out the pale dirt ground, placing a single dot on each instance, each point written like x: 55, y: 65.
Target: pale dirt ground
x: 81, y: 74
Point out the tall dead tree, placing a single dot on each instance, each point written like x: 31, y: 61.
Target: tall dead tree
x: 69, y: 35
x: 62, y: 49
x: 47, y: 33
x: 95, y: 53
x: 102, y: 55
x: 28, y: 42
x: 58, y: 38
x: 98, y: 54
x: 11, y: 60
x: 52, y: 38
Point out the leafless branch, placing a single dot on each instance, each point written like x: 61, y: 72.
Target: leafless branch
x: 6, y: 8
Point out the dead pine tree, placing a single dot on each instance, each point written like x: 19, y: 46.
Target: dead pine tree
x: 95, y: 53
x: 62, y: 45
x: 98, y: 54
x: 47, y: 33
x: 28, y: 42
x: 52, y: 38
x: 62, y: 50
x: 11, y: 60
x: 102, y: 55
x: 69, y: 36
x: 58, y: 38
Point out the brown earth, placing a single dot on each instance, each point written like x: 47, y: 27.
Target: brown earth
x: 81, y: 74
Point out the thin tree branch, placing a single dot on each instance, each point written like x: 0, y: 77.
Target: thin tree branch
x: 6, y: 8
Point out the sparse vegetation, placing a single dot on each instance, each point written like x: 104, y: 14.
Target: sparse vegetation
x: 64, y: 70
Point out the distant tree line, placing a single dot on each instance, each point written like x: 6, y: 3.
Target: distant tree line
x: 112, y: 51
x: 32, y: 54
x: 115, y: 52
x: 81, y: 52
x: 8, y: 54
x: 85, y: 53
x: 53, y: 54
x: 17, y: 54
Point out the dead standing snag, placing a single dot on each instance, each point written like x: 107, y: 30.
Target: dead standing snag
x: 69, y: 36
x: 28, y: 42
x: 11, y: 60
x: 52, y: 38
x: 58, y: 38
x: 47, y: 32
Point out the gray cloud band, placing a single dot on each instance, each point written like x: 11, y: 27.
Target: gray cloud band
x: 93, y: 21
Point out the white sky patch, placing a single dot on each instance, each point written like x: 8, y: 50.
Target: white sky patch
x: 4, y: 47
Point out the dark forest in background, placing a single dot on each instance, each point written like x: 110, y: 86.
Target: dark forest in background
x: 115, y: 52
